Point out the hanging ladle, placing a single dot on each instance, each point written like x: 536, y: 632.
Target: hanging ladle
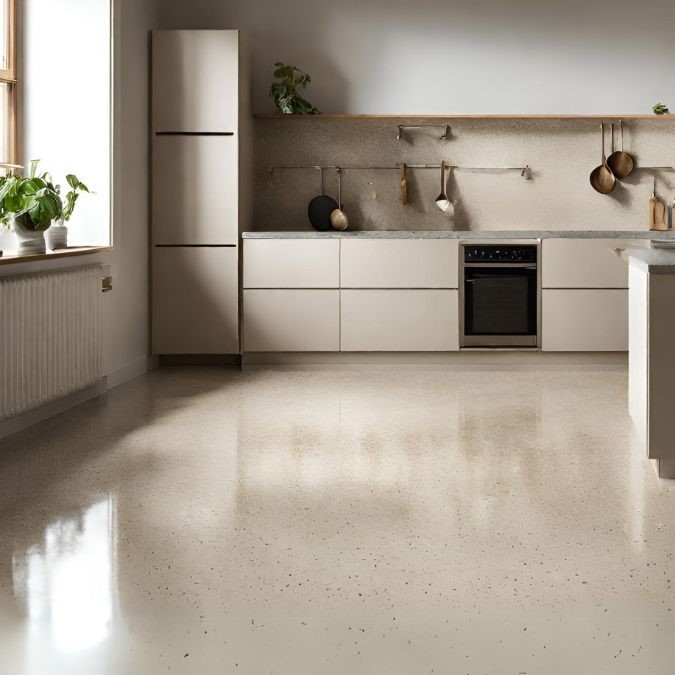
x: 338, y: 218
x: 602, y: 179
x: 442, y: 201
x: 619, y: 162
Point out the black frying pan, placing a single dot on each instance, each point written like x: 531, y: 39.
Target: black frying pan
x: 320, y: 208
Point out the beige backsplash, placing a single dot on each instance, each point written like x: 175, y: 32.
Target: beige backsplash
x: 561, y: 154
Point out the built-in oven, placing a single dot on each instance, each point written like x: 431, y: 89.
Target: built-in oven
x: 499, y: 294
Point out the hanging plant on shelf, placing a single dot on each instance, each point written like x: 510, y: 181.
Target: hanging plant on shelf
x: 660, y: 109
x: 285, y: 92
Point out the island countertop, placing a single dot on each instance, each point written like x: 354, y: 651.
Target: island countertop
x: 461, y: 234
x: 652, y: 260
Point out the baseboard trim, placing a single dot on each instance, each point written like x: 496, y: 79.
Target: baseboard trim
x: 464, y: 360
x: 131, y: 370
x: 61, y: 405
x: 199, y: 360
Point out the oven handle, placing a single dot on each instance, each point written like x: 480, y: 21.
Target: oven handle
x: 513, y: 266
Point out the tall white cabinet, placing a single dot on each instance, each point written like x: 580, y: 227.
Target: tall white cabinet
x: 197, y: 210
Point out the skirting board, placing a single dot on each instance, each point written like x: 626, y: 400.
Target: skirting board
x: 16, y: 424
x: 463, y: 360
x: 114, y: 379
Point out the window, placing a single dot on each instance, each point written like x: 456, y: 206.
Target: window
x: 8, y: 81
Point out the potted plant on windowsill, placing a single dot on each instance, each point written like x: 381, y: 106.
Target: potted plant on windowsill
x: 30, y: 204
x: 57, y: 235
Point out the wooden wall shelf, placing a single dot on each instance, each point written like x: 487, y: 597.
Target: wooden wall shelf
x: 345, y: 117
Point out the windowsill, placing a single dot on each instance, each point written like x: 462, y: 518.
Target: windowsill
x: 13, y: 258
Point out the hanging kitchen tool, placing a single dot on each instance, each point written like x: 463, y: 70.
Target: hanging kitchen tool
x: 657, y: 212
x: 320, y: 208
x: 404, y: 185
x: 442, y: 201
x: 621, y: 164
x: 602, y: 179
x: 338, y: 218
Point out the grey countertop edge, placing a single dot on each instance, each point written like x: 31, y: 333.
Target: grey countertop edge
x: 652, y: 261
x: 457, y: 234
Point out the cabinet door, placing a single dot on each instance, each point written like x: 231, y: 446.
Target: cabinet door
x: 195, y: 306
x: 399, y: 320
x: 585, y: 263
x: 399, y: 263
x: 291, y: 263
x: 294, y: 320
x: 195, y: 80
x: 585, y: 320
x: 195, y: 190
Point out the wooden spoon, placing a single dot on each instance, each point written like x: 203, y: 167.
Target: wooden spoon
x: 404, y: 186
x: 602, y: 179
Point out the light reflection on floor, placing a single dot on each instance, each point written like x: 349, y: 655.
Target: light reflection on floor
x: 204, y: 522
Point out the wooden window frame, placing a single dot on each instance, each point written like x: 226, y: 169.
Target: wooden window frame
x: 8, y: 76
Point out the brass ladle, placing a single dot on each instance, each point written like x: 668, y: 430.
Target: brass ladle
x: 602, y: 179
x: 619, y: 162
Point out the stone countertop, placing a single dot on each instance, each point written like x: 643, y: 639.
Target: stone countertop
x: 450, y: 234
x: 652, y: 260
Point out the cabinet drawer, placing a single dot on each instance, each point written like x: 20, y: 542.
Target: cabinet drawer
x: 399, y: 320
x: 399, y: 263
x: 291, y: 263
x: 195, y: 307
x: 585, y: 263
x: 195, y: 190
x: 585, y: 320
x: 279, y: 320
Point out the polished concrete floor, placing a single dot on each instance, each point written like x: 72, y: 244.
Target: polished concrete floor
x: 326, y: 523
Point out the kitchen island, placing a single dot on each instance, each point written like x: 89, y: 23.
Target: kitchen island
x: 652, y: 354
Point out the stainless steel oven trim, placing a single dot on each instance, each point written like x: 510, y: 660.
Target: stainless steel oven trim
x: 508, y: 340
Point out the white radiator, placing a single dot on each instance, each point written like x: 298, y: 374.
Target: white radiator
x: 50, y: 337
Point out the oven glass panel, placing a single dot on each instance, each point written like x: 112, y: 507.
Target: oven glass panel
x: 500, y: 301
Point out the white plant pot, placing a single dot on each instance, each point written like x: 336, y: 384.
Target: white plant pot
x: 30, y: 242
x: 57, y: 237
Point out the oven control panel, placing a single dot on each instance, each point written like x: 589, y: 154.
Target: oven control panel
x: 500, y: 253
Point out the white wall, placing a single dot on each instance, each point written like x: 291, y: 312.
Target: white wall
x: 126, y: 308
x: 453, y: 56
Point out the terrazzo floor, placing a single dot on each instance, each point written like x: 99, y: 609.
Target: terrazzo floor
x: 338, y: 522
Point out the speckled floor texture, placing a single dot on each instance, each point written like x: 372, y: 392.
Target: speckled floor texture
x: 338, y: 522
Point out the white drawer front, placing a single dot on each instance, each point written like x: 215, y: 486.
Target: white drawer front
x: 585, y: 320
x: 585, y: 263
x: 291, y: 263
x: 399, y: 320
x: 399, y: 263
x: 291, y: 320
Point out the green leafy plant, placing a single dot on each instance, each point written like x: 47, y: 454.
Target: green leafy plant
x: 76, y: 187
x: 285, y: 92
x: 660, y: 109
x: 35, y: 201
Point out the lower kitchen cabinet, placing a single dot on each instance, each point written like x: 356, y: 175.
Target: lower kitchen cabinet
x: 399, y: 320
x: 291, y: 320
x: 195, y: 307
x: 584, y: 320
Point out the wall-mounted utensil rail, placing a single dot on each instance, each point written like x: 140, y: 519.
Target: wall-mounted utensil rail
x: 405, y: 127
x: 525, y: 171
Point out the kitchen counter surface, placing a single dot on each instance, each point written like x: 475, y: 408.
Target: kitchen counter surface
x: 450, y: 234
x: 652, y: 261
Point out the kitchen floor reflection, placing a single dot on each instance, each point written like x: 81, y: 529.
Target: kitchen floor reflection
x: 66, y: 582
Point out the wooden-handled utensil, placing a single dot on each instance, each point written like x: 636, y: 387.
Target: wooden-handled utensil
x: 404, y: 185
x: 320, y: 208
x: 620, y: 163
x: 338, y: 218
x: 602, y: 179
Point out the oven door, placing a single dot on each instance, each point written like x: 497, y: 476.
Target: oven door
x: 500, y: 305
